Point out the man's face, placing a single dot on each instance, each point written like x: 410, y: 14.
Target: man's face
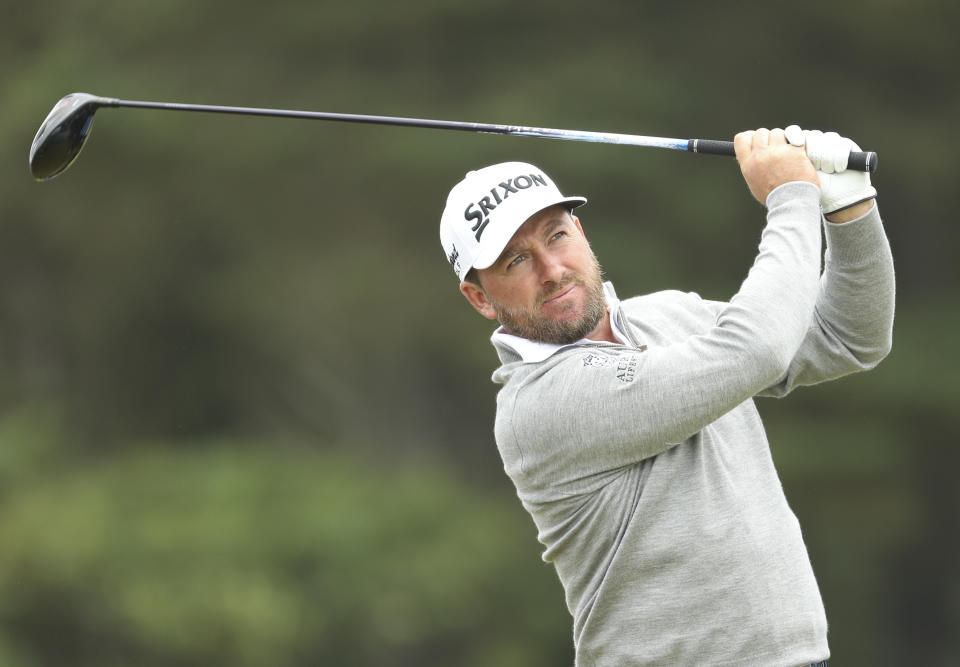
x: 546, y: 285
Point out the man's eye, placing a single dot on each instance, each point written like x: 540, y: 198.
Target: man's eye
x: 558, y: 235
x: 516, y: 260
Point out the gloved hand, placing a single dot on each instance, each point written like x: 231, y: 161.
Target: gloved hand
x: 828, y: 151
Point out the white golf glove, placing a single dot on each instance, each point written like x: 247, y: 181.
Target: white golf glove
x: 828, y: 151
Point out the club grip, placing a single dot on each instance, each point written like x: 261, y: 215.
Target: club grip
x: 858, y: 160
x: 862, y: 161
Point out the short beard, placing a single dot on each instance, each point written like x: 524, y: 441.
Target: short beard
x: 531, y: 324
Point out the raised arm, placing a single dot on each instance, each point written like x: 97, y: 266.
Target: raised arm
x: 852, y: 326
x: 672, y: 391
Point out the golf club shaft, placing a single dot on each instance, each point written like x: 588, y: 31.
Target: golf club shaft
x: 861, y: 161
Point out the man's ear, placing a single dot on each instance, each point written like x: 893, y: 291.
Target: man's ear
x: 478, y: 299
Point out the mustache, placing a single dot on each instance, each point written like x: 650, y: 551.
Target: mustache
x: 565, y: 282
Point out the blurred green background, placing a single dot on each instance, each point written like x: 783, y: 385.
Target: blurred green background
x: 245, y: 415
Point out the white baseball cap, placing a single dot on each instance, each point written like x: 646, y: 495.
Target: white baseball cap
x: 488, y: 206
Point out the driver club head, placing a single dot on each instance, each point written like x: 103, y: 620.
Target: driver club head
x: 62, y: 134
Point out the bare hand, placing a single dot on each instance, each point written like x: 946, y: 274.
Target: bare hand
x: 768, y: 161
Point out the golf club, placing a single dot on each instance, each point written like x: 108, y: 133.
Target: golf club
x: 66, y: 128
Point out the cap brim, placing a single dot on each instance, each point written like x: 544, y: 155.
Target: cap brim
x: 500, y: 236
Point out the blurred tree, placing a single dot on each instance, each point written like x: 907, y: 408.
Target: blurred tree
x: 268, y: 553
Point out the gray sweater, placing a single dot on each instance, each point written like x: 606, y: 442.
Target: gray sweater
x: 647, y: 470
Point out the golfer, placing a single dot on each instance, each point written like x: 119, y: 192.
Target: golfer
x: 628, y: 426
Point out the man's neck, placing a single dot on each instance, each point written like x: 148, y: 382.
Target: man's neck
x: 603, y: 331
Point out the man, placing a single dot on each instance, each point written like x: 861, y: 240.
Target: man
x: 628, y: 427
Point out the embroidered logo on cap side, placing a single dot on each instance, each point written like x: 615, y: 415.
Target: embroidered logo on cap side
x: 454, y: 258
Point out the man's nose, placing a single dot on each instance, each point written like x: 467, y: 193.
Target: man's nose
x: 551, y: 268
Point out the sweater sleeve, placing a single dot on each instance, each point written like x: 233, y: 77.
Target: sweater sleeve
x: 570, y: 416
x: 852, y: 325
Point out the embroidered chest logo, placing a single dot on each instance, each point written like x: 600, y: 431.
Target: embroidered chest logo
x: 594, y: 361
x: 627, y: 368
